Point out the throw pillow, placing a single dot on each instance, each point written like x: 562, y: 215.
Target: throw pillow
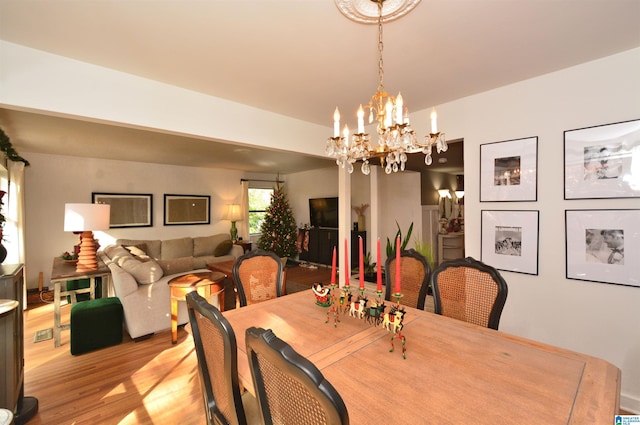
x: 176, y: 265
x: 139, y: 250
x: 143, y: 272
x: 223, y: 248
x: 115, y: 251
x: 204, y: 245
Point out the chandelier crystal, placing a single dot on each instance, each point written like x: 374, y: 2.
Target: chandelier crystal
x: 396, y: 138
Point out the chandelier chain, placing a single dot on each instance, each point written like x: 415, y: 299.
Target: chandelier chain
x: 380, y: 49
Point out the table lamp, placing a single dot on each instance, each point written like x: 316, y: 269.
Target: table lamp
x: 233, y: 214
x: 83, y: 219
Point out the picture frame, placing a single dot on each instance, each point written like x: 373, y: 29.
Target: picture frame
x: 598, y: 161
x: 127, y: 209
x: 510, y: 240
x: 603, y: 246
x: 509, y: 170
x: 186, y: 209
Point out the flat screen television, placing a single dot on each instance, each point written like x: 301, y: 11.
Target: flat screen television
x: 323, y: 212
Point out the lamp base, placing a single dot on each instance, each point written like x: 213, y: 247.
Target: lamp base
x: 87, y: 258
x: 234, y: 232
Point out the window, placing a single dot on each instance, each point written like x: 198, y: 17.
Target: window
x: 259, y: 200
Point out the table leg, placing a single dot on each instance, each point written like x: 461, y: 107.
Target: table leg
x: 56, y: 314
x: 174, y: 319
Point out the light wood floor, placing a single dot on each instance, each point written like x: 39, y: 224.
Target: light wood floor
x: 149, y: 382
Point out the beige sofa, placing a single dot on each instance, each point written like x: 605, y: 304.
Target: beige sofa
x: 142, y: 269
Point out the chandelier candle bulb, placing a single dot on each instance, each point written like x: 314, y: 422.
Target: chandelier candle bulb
x: 388, y: 115
x: 399, y: 106
x: 345, y: 134
x: 360, y: 120
x: 434, y: 121
x: 336, y: 123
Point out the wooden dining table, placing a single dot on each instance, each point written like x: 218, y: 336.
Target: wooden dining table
x: 454, y: 372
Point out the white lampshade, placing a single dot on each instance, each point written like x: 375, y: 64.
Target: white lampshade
x: 84, y: 217
x: 444, y: 193
x: 232, y: 213
x: 459, y: 194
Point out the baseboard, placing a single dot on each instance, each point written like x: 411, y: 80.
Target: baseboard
x: 630, y: 404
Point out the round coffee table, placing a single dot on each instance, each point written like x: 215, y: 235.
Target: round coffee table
x: 206, y: 284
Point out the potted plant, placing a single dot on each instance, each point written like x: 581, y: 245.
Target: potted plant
x: 391, y: 246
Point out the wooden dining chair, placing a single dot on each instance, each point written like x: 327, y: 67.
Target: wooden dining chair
x: 216, y: 350
x: 415, y: 275
x: 469, y: 290
x: 258, y: 277
x: 289, y: 388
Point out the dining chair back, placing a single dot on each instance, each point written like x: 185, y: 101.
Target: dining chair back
x: 469, y: 290
x: 258, y: 277
x: 415, y: 275
x: 289, y: 388
x: 216, y: 349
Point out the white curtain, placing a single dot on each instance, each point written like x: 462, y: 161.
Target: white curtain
x: 243, y: 225
x: 14, y: 214
x: 14, y: 227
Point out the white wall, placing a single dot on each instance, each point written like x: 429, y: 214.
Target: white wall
x: 594, y: 318
x: 51, y: 181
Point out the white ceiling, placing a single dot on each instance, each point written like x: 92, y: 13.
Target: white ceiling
x: 301, y: 58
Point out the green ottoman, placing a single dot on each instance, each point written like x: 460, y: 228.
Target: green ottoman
x: 95, y: 324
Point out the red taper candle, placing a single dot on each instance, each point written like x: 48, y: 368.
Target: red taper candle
x: 398, y: 265
x: 333, y: 267
x: 361, y: 262
x: 379, y: 287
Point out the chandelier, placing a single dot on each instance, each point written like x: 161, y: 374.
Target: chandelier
x: 396, y: 138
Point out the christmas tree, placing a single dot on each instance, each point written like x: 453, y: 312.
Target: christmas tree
x: 279, y: 231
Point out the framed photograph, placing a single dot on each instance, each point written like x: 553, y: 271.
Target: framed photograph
x: 127, y: 209
x: 603, y: 246
x: 186, y: 209
x: 599, y: 161
x: 509, y: 170
x: 509, y: 240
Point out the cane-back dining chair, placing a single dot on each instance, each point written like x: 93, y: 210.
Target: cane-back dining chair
x: 469, y: 290
x: 415, y: 275
x: 289, y: 388
x: 258, y: 277
x: 216, y: 350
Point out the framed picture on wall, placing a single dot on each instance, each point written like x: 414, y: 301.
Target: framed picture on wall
x: 603, y: 246
x: 509, y: 240
x: 509, y: 170
x: 602, y: 161
x: 186, y: 209
x: 127, y: 209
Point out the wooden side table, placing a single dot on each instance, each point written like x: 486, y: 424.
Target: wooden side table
x: 63, y: 271
x: 206, y: 284
x: 246, y: 245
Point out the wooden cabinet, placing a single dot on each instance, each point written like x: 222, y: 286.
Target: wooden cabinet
x: 450, y: 246
x: 12, y: 352
x: 319, y: 246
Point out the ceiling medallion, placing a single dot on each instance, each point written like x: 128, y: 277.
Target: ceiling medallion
x: 366, y: 11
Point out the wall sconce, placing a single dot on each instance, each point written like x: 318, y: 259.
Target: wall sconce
x: 83, y: 219
x: 233, y: 214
